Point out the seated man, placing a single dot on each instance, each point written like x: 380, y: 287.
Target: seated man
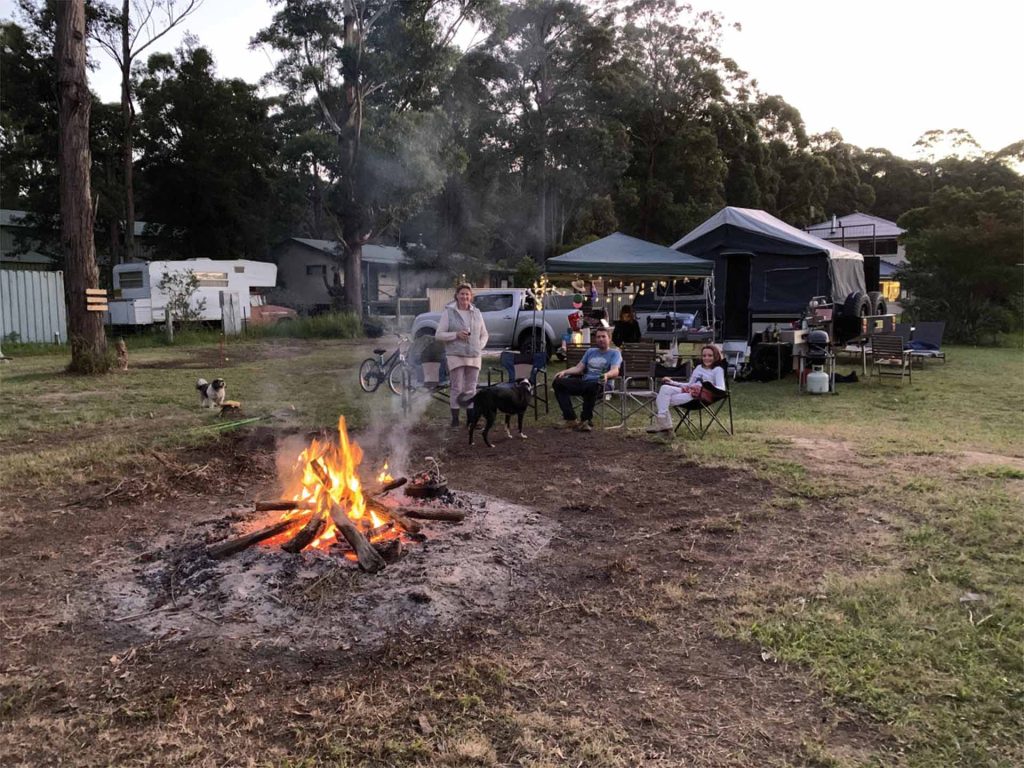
x: 587, y: 379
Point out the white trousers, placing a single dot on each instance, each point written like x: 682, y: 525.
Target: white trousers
x: 670, y: 395
x: 462, y: 380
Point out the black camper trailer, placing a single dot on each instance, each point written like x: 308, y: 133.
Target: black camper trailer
x: 767, y: 271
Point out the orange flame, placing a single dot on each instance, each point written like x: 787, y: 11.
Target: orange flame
x: 385, y: 476
x: 326, y: 474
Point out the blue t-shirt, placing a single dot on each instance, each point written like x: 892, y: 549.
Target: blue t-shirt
x: 595, y: 362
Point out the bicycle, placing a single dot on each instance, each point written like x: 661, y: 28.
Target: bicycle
x: 396, y: 369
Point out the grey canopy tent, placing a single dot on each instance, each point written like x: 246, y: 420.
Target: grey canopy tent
x: 620, y: 255
x: 629, y: 259
x: 766, y: 267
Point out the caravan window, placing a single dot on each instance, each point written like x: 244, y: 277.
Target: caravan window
x: 130, y: 279
x: 212, y: 279
x: 793, y: 285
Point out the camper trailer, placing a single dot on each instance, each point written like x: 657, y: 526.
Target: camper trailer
x: 138, y: 300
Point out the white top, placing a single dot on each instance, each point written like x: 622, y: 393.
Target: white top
x: 478, y: 336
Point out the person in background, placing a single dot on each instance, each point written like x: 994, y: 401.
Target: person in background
x: 462, y: 329
x: 587, y: 379
x: 673, y: 392
x: 627, y: 329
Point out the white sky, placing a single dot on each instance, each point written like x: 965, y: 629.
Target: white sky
x: 882, y: 72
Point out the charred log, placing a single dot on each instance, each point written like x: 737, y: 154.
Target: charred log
x: 410, y: 526
x: 283, y: 505
x: 369, y: 560
x: 231, y: 546
x: 305, y: 537
x: 398, y: 482
x: 431, y: 513
x: 391, y: 550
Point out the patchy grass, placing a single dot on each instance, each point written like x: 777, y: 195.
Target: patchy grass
x: 928, y: 643
x: 57, y: 427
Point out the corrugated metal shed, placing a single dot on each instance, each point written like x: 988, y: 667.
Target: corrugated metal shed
x: 32, y: 305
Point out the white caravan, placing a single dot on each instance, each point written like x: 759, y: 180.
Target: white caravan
x: 138, y: 300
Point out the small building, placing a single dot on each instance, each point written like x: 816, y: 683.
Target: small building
x: 876, y: 239
x: 308, y: 268
x: 20, y: 245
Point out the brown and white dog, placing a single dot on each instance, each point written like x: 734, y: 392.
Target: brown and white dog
x: 510, y: 399
x: 211, y: 394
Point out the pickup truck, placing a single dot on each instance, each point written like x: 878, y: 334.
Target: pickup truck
x: 511, y: 319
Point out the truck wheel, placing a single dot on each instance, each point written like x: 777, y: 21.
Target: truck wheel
x: 866, y: 307
x: 878, y: 303
x: 530, y: 343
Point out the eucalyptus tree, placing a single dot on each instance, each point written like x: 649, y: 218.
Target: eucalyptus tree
x: 675, y: 81
x: 28, y: 118
x: 369, y: 74
x: 125, y: 34
x: 207, y: 167
x: 85, y: 328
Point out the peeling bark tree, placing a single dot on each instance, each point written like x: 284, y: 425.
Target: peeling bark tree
x: 85, y: 328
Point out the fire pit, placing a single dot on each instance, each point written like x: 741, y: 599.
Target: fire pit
x: 329, y: 510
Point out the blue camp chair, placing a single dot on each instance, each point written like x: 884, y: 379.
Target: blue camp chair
x: 524, y: 365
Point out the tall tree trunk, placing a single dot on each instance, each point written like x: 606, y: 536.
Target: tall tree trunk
x: 128, y: 127
x: 349, y: 139
x: 85, y: 328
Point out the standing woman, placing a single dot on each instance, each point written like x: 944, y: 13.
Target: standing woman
x: 462, y: 329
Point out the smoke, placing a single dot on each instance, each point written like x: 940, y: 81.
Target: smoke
x: 389, y: 430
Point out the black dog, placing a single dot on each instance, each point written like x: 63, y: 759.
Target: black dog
x: 510, y: 399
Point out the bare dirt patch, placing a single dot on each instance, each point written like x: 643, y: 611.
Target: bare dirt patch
x: 977, y: 458
x: 577, y: 620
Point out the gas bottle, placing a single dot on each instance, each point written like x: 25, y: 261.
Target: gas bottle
x: 817, y: 382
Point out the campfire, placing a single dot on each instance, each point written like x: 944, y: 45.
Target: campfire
x: 327, y: 508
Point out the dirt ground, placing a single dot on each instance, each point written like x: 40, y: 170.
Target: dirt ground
x: 590, y: 632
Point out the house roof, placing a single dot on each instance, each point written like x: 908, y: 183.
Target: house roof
x: 856, y: 226
x: 13, y: 218
x: 622, y: 255
x: 762, y: 224
x: 373, y: 254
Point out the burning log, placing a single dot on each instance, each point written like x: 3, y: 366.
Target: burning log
x: 305, y: 537
x: 391, y: 550
x: 398, y: 482
x: 283, y: 505
x: 410, y: 526
x: 431, y: 513
x: 231, y: 546
x: 369, y: 560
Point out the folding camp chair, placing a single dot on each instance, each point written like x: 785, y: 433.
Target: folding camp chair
x: 889, y: 358
x: 640, y: 362
x: 735, y: 354
x: 708, y: 413
x: 612, y: 401
x: 927, y: 341
x: 525, y: 365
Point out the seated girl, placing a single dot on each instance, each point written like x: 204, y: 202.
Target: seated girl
x: 678, y: 393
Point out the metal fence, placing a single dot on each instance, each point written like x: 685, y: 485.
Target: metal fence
x: 32, y: 307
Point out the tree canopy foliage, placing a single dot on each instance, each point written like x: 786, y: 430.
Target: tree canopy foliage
x: 562, y: 122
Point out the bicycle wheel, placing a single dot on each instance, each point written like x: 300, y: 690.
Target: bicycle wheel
x: 370, y: 375
x: 400, y: 378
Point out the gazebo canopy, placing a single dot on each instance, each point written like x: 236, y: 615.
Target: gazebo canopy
x: 622, y: 256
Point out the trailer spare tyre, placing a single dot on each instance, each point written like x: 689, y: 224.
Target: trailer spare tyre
x: 853, y: 303
x: 878, y: 305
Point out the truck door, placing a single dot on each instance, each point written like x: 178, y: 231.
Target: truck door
x: 499, y: 313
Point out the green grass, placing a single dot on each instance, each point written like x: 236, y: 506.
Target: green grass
x: 943, y: 677
x: 57, y: 427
